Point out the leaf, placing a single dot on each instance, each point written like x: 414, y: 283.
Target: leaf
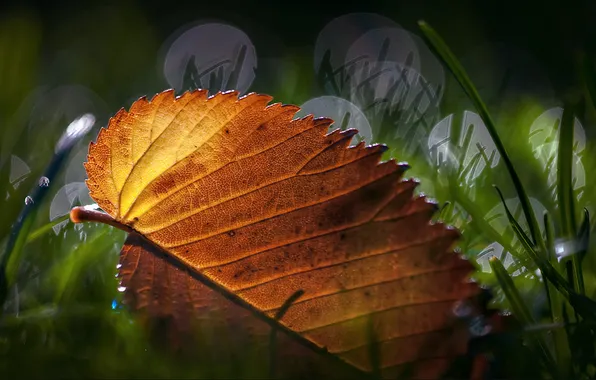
x: 176, y: 303
x: 258, y: 207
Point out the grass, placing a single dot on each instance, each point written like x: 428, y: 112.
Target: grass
x: 563, y: 279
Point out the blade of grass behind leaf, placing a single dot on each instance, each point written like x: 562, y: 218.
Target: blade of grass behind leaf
x: 273, y: 335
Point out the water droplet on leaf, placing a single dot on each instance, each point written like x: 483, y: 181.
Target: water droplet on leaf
x: 462, y: 309
x: 479, y: 327
x: 28, y: 200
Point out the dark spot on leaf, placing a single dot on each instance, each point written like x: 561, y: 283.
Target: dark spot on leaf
x: 227, y: 131
x: 231, y: 233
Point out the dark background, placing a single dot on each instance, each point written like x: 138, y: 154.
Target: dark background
x: 552, y: 31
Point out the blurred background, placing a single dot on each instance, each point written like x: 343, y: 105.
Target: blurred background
x: 362, y: 63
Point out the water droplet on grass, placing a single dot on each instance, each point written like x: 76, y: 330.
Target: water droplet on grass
x: 28, y: 200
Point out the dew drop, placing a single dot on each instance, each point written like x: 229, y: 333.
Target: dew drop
x: 118, y: 266
x: 44, y: 181
x: 28, y: 200
x: 121, y: 288
x: 479, y: 327
x: 462, y: 309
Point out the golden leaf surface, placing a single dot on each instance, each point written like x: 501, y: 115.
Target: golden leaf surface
x: 262, y: 206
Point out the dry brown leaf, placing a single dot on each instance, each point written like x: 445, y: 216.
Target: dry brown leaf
x: 260, y: 207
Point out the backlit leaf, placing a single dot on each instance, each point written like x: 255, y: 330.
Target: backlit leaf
x: 253, y: 208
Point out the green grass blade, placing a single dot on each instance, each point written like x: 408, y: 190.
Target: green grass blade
x: 565, y: 196
x: 588, y: 74
x: 521, y: 235
x: 449, y: 59
x: 12, y: 256
x: 583, y: 236
x: 46, y: 228
x: 548, y: 271
x: 556, y: 304
x: 520, y: 310
x: 564, y: 174
x: 65, y: 274
x: 273, y: 334
x: 518, y: 305
x: 20, y: 229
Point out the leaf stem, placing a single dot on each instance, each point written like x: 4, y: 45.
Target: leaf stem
x: 82, y: 214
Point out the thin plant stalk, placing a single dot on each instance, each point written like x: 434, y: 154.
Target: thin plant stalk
x: 444, y: 53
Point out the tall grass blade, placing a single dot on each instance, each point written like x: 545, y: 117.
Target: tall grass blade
x: 39, y: 232
x: 446, y: 55
x: 583, y: 236
x: 565, y: 194
x: 556, y: 303
x: 522, y: 312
